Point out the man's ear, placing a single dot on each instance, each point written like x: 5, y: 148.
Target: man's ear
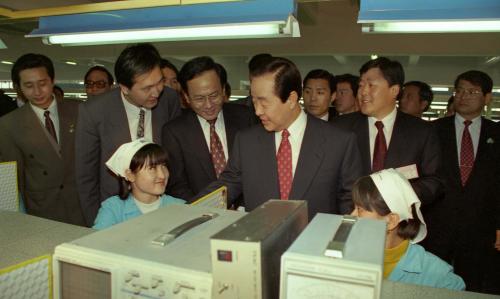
x: 293, y: 99
x: 394, y: 90
x: 333, y: 96
x: 186, y: 97
x: 129, y: 175
x: 125, y: 90
x: 392, y: 221
x: 487, y: 98
x: 423, y: 104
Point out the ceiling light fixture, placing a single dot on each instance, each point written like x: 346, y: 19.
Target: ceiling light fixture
x: 431, y: 27
x: 70, y: 62
x: 6, y: 62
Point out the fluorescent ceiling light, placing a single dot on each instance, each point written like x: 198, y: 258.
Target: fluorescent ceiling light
x: 70, y: 62
x: 496, y: 90
x: 440, y: 88
x: 431, y: 26
x: 289, y: 28
x: 6, y: 62
x: 373, y: 56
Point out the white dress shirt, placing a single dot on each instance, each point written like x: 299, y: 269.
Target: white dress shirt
x: 54, y: 115
x: 220, y: 129
x: 296, y: 130
x: 388, y: 122
x: 474, y: 130
x: 325, y: 117
x: 133, y: 120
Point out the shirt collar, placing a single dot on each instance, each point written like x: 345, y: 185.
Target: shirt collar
x: 460, y: 120
x: 131, y: 107
x: 298, y: 126
x: 412, y: 260
x: 52, y: 107
x: 325, y: 117
x: 204, y: 122
x: 388, y: 120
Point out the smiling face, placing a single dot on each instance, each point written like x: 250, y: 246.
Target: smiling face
x: 146, y: 90
x: 274, y: 114
x: 376, y: 98
x: 205, y: 95
x: 36, y: 86
x: 317, y: 96
x: 149, y: 182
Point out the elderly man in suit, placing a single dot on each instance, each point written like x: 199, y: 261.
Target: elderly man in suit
x: 290, y: 155
x: 137, y: 109
x: 467, y: 221
x: 388, y: 138
x: 39, y: 136
x: 200, y: 141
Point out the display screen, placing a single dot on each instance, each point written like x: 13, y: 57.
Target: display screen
x: 78, y: 282
x: 225, y: 255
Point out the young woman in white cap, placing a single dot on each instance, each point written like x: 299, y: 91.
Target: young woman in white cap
x: 142, y: 168
x: 388, y: 196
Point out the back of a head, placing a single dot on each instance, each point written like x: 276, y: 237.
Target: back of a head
x: 322, y: 74
x: 391, y: 70
x: 196, y: 66
x: 477, y: 78
x: 286, y: 76
x: 134, y: 61
x: 31, y: 61
x: 424, y: 91
x: 256, y: 60
x: 351, y: 79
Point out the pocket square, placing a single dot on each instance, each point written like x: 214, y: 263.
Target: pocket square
x: 490, y: 140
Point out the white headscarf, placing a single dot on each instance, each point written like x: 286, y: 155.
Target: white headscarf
x: 399, y: 196
x: 120, y: 160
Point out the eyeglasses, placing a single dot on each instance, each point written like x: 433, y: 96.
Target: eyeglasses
x: 200, y: 100
x: 460, y: 92
x: 98, y: 84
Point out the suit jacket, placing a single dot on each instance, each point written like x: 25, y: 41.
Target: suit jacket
x: 328, y: 165
x: 103, y: 127
x: 332, y: 114
x: 413, y: 141
x: 7, y: 104
x: 45, y: 168
x: 190, y: 163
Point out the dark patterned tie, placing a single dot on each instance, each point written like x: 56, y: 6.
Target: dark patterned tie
x: 49, y: 125
x: 140, y: 126
x: 216, y: 150
x: 380, y: 150
x: 466, y: 154
x: 284, y: 159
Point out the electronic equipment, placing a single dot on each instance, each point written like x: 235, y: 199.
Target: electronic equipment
x: 335, y: 257
x: 246, y: 255
x: 163, y: 254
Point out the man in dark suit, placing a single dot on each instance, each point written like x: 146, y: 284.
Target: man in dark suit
x: 137, y: 109
x: 416, y: 99
x: 347, y: 90
x: 468, y: 219
x: 388, y: 138
x: 290, y: 155
x: 319, y: 93
x: 192, y: 139
x: 39, y: 136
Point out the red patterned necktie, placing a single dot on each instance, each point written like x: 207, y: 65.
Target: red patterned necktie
x: 216, y: 150
x: 466, y: 154
x: 140, y: 125
x: 50, y: 125
x: 284, y: 158
x: 380, y: 150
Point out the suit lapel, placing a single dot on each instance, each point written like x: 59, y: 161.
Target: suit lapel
x: 66, y: 126
x: 267, y: 157
x: 36, y: 130
x: 199, y: 143
x: 482, y: 154
x: 397, y: 144
x: 449, y: 140
x: 361, y: 130
x: 310, y: 157
x: 156, y: 124
x: 118, y: 119
x: 231, y: 129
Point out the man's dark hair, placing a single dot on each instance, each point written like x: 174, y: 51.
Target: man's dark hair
x: 134, y: 61
x: 31, y: 61
x: 286, y: 76
x: 195, y: 67
x: 164, y: 63
x: 100, y: 69
x: 322, y: 74
x: 351, y: 79
x: 477, y: 78
x: 424, y: 92
x: 392, y: 71
x: 255, y: 60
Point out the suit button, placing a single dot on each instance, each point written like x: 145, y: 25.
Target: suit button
x: 61, y: 187
x: 44, y: 172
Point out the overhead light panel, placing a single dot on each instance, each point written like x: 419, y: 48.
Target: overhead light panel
x: 288, y: 28
x: 227, y: 20
x: 6, y: 62
x: 432, y: 27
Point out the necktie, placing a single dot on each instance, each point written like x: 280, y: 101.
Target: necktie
x: 140, y: 126
x: 380, y: 150
x: 216, y: 150
x: 50, y: 125
x: 466, y: 154
x: 284, y: 159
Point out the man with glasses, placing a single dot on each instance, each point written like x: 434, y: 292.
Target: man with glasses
x: 97, y: 80
x: 137, y: 109
x: 199, y: 142
x: 468, y: 234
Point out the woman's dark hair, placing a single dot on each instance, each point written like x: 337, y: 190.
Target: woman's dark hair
x: 366, y: 195
x: 149, y: 155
